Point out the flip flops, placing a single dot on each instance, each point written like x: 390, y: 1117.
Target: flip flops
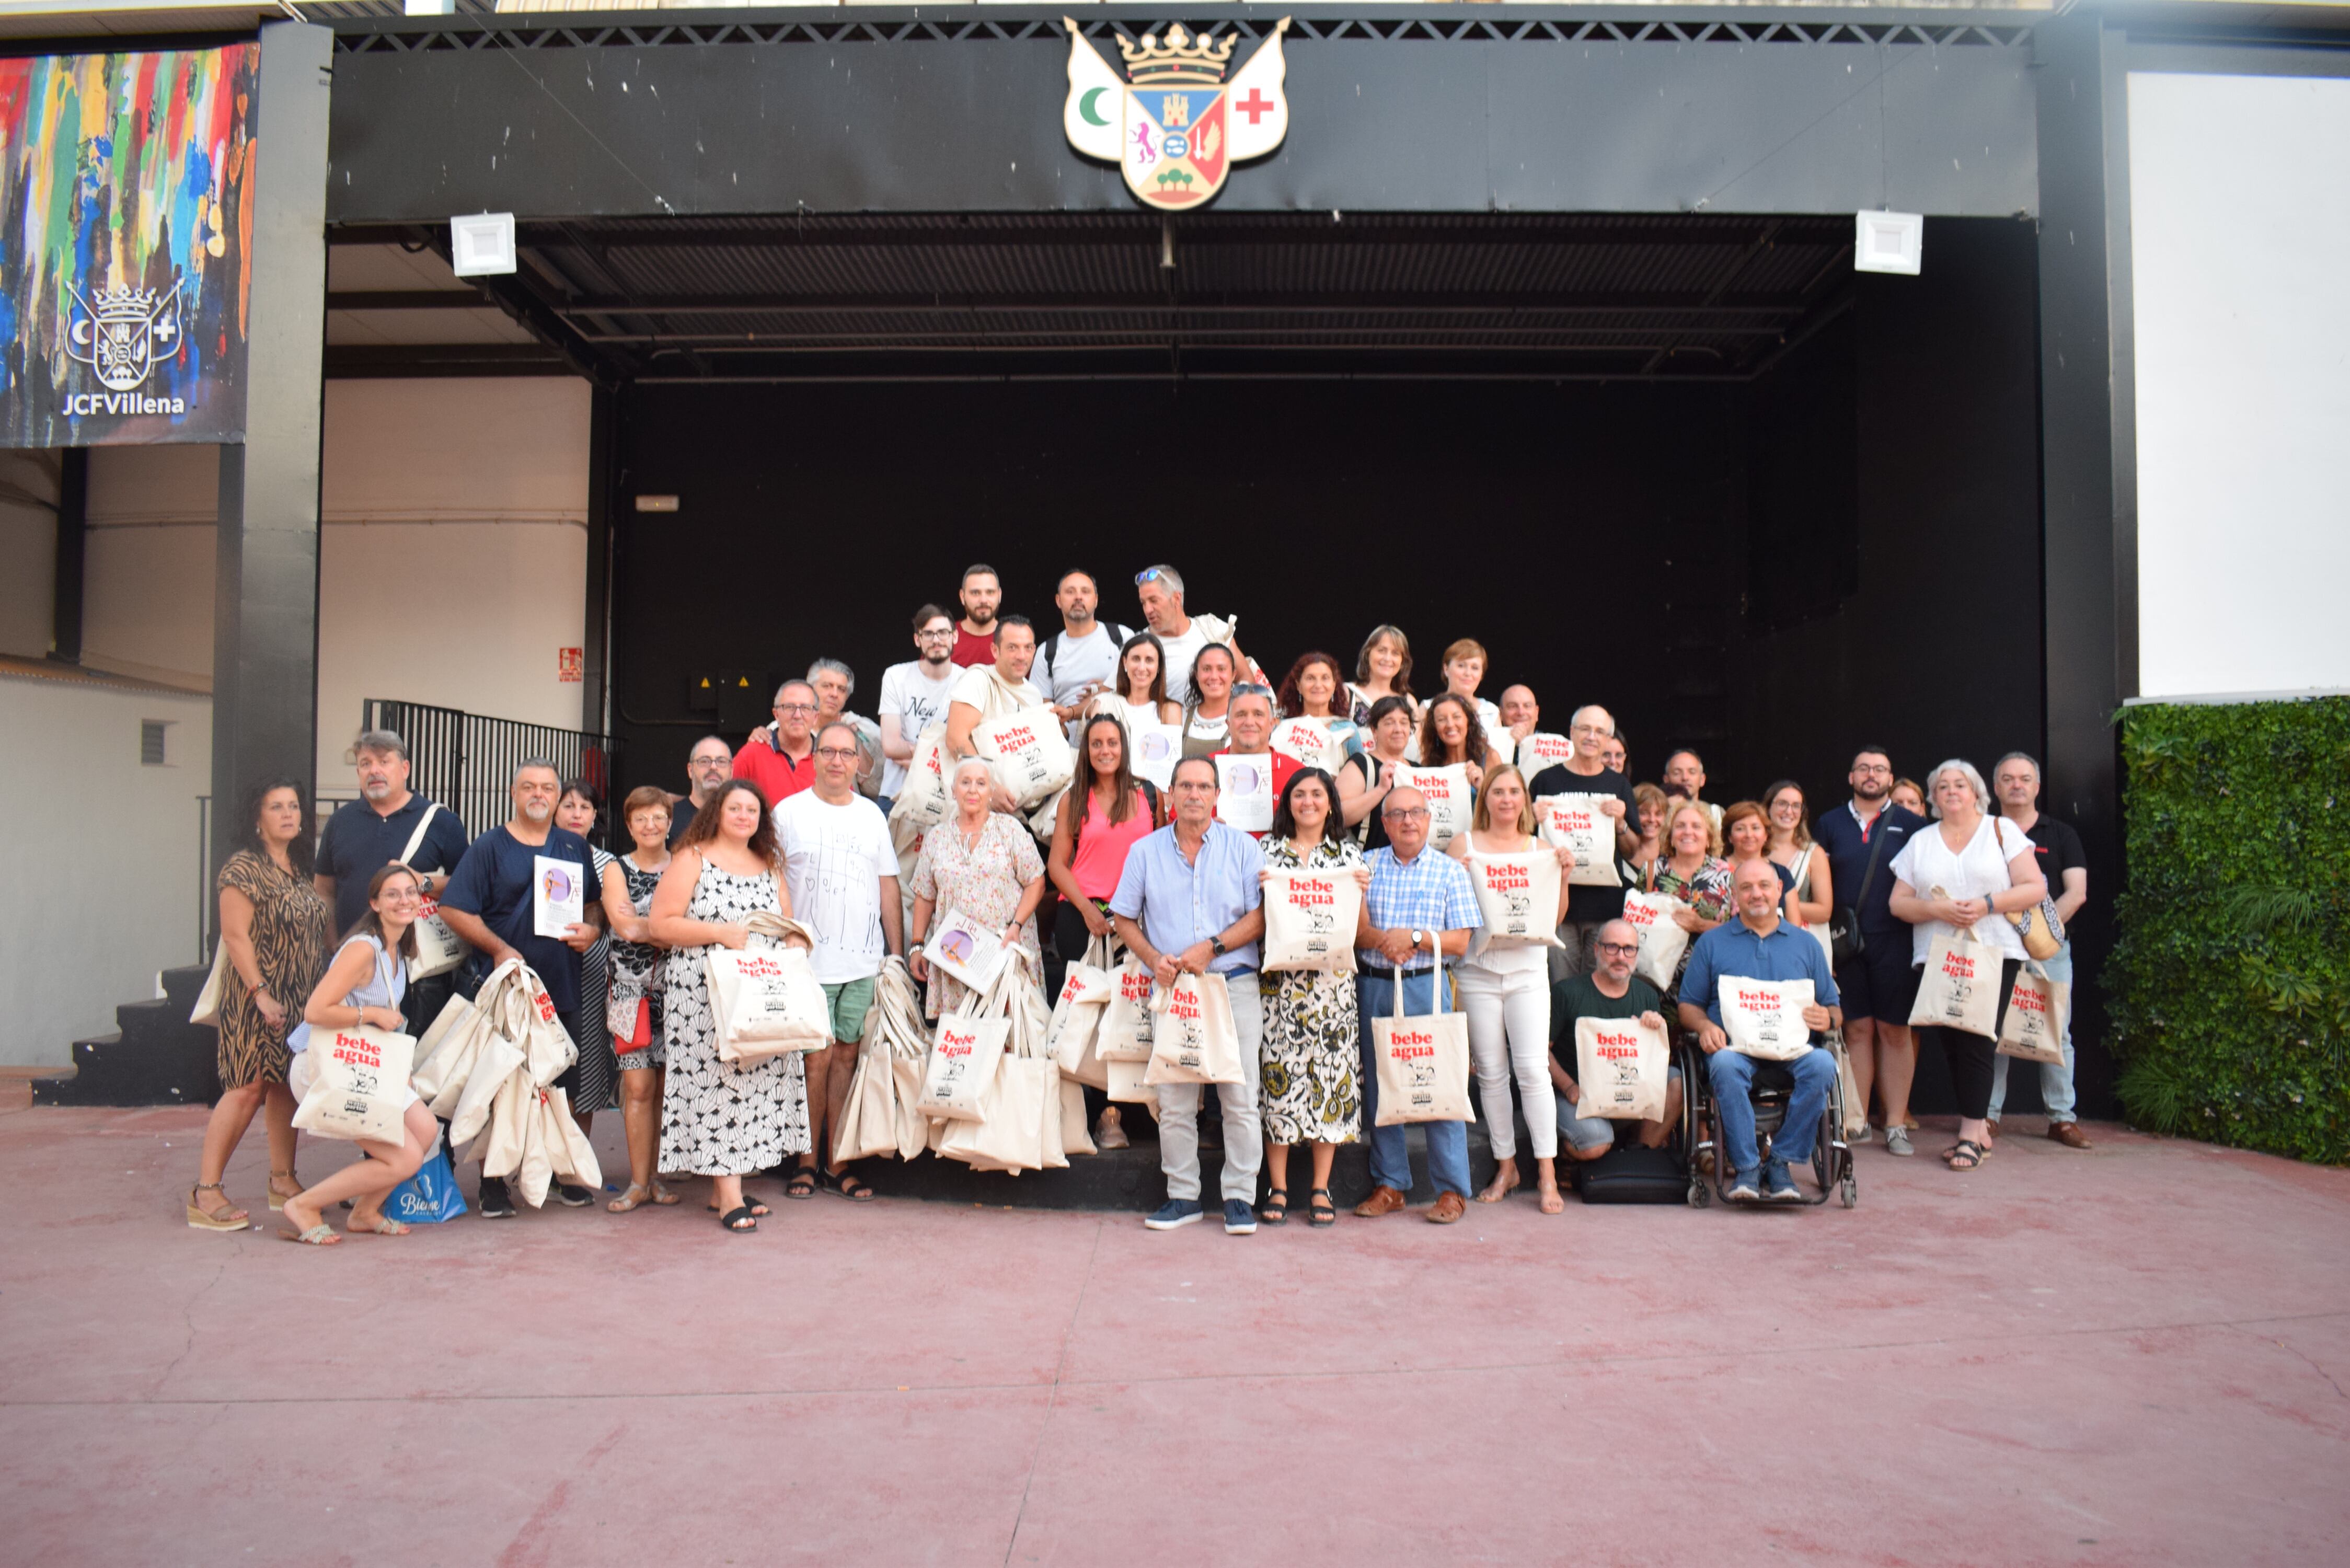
x: 739, y: 1222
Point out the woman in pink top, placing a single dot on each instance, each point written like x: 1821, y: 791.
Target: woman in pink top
x: 1106, y: 813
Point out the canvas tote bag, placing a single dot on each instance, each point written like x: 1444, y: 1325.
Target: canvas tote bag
x: 1086, y: 995
x: 1662, y: 941
x: 1028, y: 752
x: 922, y: 799
x: 1542, y: 750
x: 1764, y: 1018
x: 1310, y: 919
x: 2034, y: 1029
x: 358, y: 1085
x: 1620, y: 1065
x: 767, y: 999
x: 1576, y: 822
x: 439, y: 950
x: 962, y: 1069
x: 1449, y: 805
x: 1192, y: 1040
x: 1423, y: 1063
x: 1959, y: 987
x: 1310, y: 740
x: 1127, y: 1022
x: 1518, y: 895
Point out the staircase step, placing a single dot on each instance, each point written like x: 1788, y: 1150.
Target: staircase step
x: 156, y: 1057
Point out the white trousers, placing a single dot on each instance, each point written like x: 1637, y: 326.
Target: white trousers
x: 1178, y: 1110
x: 1509, y: 1032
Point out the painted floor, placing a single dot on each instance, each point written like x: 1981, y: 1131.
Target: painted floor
x: 2132, y: 1356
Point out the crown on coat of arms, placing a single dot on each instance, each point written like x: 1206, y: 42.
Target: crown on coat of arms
x: 1182, y: 59
x: 108, y: 306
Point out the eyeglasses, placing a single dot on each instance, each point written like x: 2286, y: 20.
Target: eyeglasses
x: 1406, y: 814
x: 837, y: 754
x: 794, y: 707
x: 1588, y: 729
x: 939, y: 636
x: 1629, y: 950
x: 1870, y: 768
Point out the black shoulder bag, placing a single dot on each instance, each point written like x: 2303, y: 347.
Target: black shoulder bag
x: 1845, y: 938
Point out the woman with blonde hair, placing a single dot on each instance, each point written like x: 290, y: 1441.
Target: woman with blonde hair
x: 1692, y: 867
x: 1506, y: 991
x: 1383, y: 669
x: 1649, y: 804
x: 1465, y: 662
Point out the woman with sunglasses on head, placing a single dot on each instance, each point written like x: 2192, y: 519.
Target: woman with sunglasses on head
x: 362, y: 988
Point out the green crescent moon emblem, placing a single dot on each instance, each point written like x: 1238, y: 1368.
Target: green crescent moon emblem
x: 1085, y: 106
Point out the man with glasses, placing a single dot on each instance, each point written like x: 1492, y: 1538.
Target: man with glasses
x: 1421, y: 902
x: 1189, y: 899
x: 1610, y: 991
x: 1873, y: 970
x: 842, y: 873
x: 1587, y: 772
x: 914, y: 696
x: 780, y: 758
x: 1249, y: 731
x: 707, y: 766
x: 366, y: 835
x: 982, y: 595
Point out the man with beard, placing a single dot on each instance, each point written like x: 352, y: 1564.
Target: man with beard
x: 489, y: 905
x: 708, y: 765
x: 369, y: 833
x: 982, y: 595
x: 1873, y: 970
x: 914, y: 696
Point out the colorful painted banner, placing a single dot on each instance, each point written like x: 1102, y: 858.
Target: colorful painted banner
x: 126, y: 204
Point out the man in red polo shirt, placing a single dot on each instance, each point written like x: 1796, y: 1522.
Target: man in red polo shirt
x: 780, y: 758
x: 1249, y: 731
x: 982, y: 595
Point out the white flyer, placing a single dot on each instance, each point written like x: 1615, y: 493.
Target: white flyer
x: 559, y: 896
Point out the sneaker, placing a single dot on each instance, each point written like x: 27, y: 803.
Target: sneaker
x: 1855, y: 1140
x: 1240, y: 1220
x: 1896, y: 1142
x: 1173, y: 1214
x: 1778, y: 1186
x: 1110, y: 1131
x: 494, y: 1204
x: 1742, y: 1189
x: 573, y: 1196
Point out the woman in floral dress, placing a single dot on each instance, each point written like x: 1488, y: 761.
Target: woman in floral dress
x: 983, y: 863
x: 1311, y: 1064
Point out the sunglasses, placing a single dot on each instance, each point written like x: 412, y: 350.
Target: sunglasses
x: 1150, y: 575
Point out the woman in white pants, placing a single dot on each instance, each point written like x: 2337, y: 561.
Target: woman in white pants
x: 1505, y: 990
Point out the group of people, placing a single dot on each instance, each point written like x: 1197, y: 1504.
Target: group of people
x: 807, y: 819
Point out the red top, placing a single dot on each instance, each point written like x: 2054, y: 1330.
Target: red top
x: 1284, y: 767
x: 776, y: 775
x: 973, y: 648
x: 1102, y: 846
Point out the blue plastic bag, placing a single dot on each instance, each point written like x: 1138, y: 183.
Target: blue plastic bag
x: 430, y: 1196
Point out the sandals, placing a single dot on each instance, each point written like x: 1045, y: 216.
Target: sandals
x: 276, y: 1198
x: 227, y: 1217
x: 741, y: 1221
x: 843, y: 1183
x: 319, y: 1235
x: 803, y: 1182
x: 637, y: 1196
x: 1966, y: 1155
x: 381, y: 1225
x: 1319, y: 1213
x: 662, y: 1197
x: 1275, y: 1210
x: 758, y: 1210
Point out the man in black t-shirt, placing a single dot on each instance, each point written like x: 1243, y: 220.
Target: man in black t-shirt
x: 1583, y: 774
x: 2016, y: 782
x: 707, y: 766
x: 1609, y: 991
x: 1878, y: 984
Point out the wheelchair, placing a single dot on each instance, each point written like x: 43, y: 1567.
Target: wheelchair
x: 1700, y: 1132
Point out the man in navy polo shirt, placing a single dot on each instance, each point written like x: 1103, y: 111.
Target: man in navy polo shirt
x: 369, y: 833
x: 1877, y: 983
x: 1759, y: 945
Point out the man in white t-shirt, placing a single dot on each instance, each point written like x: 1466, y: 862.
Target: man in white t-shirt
x: 842, y: 872
x: 1080, y: 658
x: 914, y: 696
x: 1161, y: 589
x: 996, y: 690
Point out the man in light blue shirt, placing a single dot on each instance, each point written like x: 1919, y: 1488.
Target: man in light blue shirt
x: 1759, y: 945
x: 1189, y: 899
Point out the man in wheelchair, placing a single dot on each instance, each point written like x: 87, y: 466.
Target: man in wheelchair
x: 1759, y: 945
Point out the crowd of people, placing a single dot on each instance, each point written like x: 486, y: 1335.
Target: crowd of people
x: 1148, y: 852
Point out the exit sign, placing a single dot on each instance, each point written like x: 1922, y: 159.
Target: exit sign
x: 570, y: 663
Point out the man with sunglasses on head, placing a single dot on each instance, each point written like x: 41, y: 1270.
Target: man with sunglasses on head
x: 780, y: 757
x: 1609, y: 993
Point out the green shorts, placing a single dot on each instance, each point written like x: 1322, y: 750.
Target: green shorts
x: 846, y: 1005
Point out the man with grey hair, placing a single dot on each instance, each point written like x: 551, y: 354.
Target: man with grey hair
x: 780, y: 757
x: 489, y: 904
x: 1587, y: 772
x: 2016, y: 782
x: 835, y: 683
x: 1160, y: 590
x: 389, y: 822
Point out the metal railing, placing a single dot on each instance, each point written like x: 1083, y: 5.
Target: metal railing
x: 467, y: 761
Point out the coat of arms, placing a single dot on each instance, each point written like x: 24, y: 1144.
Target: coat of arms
x: 124, y: 332
x: 1178, y: 126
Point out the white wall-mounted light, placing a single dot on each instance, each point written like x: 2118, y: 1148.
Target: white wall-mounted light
x: 482, y: 244
x: 432, y: 8
x: 1887, y: 242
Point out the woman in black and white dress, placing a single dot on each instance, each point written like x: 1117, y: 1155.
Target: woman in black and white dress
x: 637, y: 997
x: 719, y: 1120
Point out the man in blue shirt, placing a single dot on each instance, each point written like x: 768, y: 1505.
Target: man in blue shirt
x: 1875, y: 979
x: 1189, y: 899
x: 1420, y: 905
x: 1759, y: 945
x: 489, y: 904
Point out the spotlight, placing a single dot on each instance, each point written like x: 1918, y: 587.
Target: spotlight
x: 1887, y: 242
x: 482, y: 244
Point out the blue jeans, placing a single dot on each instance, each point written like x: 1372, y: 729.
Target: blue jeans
x: 1448, y: 1142
x: 2055, y: 1082
x: 1733, y: 1080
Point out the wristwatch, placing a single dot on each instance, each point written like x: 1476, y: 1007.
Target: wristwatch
x: 1418, y: 936
x: 1216, y: 946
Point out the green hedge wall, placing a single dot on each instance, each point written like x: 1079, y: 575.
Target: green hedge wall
x: 2230, y: 981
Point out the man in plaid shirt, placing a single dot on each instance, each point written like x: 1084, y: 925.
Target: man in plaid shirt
x: 1420, y: 903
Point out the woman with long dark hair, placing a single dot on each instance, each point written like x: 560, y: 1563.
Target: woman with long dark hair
x: 275, y: 927
x: 1369, y: 774
x: 1314, y: 688
x: 577, y: 810
x: 362, y: 988
x: 1138, y: 691
x: 718, y: 1119
x: 1451, y: 735
x: 1105, y: 814
x: 1210, y: 704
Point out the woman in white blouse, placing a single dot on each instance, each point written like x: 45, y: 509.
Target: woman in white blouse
x: 1975, y: 868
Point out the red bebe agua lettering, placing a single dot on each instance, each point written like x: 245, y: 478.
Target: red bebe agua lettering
x: 546, y: 1005
x: 1757, y: 1002
x: 1958, y: 965
x: 1638, y: 916
x: 1616, y: 1047
x: 1184, y: 1004
x: 758, y: 969
x: 1134, y: 987
x: 357, y: 1052
x: 1305, y: 892
x: 1506, y: 877
x: 1018, y: 738
x: 1436, y: 786
x: 1404, y: 1043
x: 953, y: 1044
x: 2031, y: 1001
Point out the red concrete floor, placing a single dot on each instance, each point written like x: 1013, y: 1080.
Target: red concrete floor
x: 2133, y: 1357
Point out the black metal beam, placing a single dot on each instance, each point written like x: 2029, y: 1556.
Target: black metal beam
x: 1432, y: 303
x: 1097, y: 230
x: 73, y: 541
